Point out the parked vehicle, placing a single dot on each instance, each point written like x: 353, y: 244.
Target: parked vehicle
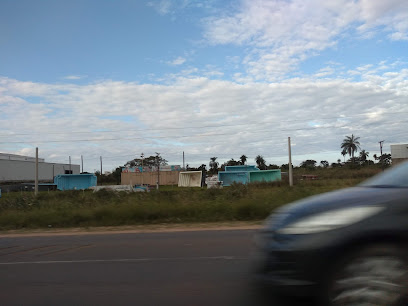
x: 347, y: 247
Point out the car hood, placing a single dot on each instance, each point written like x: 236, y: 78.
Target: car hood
x: 344, y: 198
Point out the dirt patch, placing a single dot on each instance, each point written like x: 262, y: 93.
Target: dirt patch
x: 150, y: 228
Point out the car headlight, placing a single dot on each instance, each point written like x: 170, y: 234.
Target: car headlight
x: 330, y: 220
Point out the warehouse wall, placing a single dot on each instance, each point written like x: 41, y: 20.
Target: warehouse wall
x: 20, y: 171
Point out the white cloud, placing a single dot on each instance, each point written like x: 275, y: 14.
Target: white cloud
x: 74, y: 77
x: 281, y: 34
x: 177, y: 61
x: 163, y: 7
x: 172, y: 7
x: 326, y: 71
x: 203, y: 117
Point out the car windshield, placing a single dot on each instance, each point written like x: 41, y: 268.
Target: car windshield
x: 395, y: 177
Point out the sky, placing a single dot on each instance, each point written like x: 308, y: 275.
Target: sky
x: 215, y: 78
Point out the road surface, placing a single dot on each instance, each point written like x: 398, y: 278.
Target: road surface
x: 169, y: 268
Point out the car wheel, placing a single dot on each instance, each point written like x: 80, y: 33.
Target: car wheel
x: 373, y: 276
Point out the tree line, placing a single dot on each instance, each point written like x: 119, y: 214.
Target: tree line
x: 349, y: 146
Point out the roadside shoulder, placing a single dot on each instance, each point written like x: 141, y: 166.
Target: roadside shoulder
x: 146, y: 228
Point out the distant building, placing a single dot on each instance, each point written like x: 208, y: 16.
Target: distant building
x: 18, y: 168
x: 399, y: 153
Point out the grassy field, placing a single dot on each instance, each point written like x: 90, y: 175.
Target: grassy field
x: 168, y: 205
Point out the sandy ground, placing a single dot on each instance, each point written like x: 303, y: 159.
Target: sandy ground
x: 149, y: 228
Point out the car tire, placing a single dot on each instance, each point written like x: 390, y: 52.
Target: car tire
x: 375, y: 275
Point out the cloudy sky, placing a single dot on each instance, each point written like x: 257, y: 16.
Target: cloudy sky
x: 207, y: 78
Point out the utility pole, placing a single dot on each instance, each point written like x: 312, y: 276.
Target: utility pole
x: 381, y: 146
x: 142, y: 156
x: 36, y: 172
x: 158, y: 169
x: 381, y: 159
x: 290, y: 164
x: 183, y: 161
x: 101, y: 164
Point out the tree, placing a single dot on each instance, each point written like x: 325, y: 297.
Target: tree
x: 272, y: 166
x: 260, y: 162
x: 203, y: 167
x: 116, y: 175
x: 213, y: 165
x: 344, y: 153
x: 351, y: 144
x: 243, y: 159
x: 310, y: 163
x: 284, y: 166
x: 335, y: 165
x: 150, y: 161
x: 232, y: 162
x: 324, y: 163
x: 385, y: 160
x: 363, y: 156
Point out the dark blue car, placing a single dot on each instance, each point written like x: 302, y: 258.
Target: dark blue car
x: 347, y: 247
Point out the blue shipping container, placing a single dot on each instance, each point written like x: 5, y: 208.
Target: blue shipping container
x: 75, y: 181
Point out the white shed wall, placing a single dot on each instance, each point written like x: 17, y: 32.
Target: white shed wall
x: 399, y: 151
x: 190, y: 179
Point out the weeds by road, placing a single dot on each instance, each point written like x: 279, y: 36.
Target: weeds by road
x: 168, y: 205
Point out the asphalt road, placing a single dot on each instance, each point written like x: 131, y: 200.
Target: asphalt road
x: 174, y: 268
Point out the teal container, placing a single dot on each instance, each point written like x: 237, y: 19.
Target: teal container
x: 265, y: 176
x: 75, y: 181
x: 241, y: 168
x: 227, y: 178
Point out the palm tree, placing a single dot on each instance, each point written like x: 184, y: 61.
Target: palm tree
x: 243, y: 159
x: 351, y: 145
x: 344, y: 152
x: 260, y: 162
x: 364, y: 155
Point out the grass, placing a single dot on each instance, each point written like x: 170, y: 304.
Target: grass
x: 168, y: 205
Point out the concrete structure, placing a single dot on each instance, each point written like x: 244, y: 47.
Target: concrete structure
x: 399, y: 153
x: 17, y: 168
x: 190, y: 179
x: 250, y: 174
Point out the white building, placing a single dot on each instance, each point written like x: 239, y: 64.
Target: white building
x: 18, y: 168
x: 399, y: 153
